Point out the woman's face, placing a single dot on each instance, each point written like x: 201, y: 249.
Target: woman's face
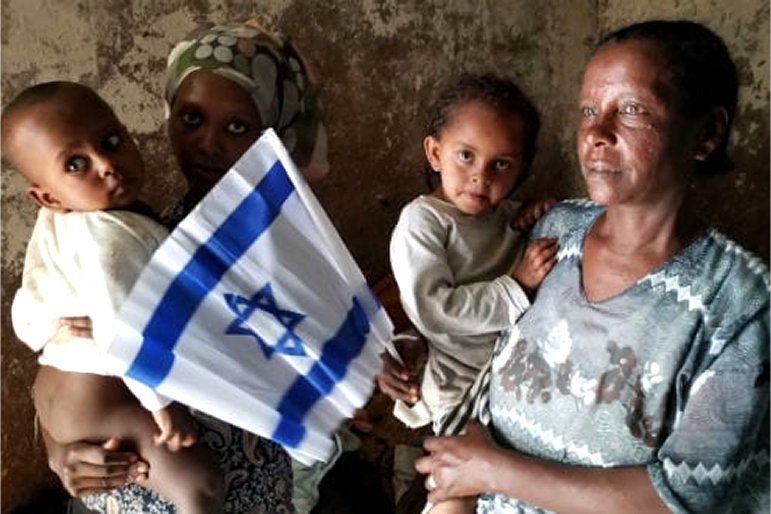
x: 635, y: 146
x: 213, y: 122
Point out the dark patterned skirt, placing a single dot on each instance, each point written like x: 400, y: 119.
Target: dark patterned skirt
x: 257, y: 473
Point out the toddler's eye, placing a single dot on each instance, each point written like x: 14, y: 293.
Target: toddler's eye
x: 76, y: 164
x: 236, y: 127
x: 465, y: 156
x: 501, y: 165
x: 191, y: 118
x: 111, y: 142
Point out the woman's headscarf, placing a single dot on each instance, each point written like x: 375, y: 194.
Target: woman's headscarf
x: 272, y: 72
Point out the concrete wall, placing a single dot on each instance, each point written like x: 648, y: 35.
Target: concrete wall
x: 380, y: 63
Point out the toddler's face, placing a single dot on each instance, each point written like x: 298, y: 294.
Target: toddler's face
x: 478, y: 154
x: 78, y: 156
x: 213, y: 121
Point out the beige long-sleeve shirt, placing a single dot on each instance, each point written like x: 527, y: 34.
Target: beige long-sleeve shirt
x: 453, y: 272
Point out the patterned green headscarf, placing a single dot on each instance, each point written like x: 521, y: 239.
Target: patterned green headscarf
x: 274, y: 75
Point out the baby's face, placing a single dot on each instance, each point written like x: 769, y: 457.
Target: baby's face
x: 77, y: 154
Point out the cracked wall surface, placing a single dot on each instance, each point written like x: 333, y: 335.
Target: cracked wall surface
x: 379, y: 64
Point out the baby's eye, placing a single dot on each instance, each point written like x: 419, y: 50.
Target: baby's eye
x: 465, y: 156
x: 501, y: 165
x: 192, y: 118
x: 236, y: 127
x: 111, y: 142
x: 76, y: 164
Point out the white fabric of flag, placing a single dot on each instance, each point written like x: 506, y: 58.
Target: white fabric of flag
x: 254, y: 311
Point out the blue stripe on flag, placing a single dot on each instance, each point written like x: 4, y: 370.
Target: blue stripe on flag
x: 206, y: 267
x: 330, y: 369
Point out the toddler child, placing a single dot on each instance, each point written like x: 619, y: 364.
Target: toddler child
x: 89, y: 244
x: 464, y: 273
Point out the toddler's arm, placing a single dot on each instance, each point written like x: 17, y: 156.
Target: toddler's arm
x: 538, y: 259
x: 177, y: 428
x: 432, y: 297
x: 530, y: 212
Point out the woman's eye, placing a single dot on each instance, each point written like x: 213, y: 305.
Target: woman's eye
x: 236, y: 127
x: 588, y: 111
x: 465, y: 156
x: 111, y: 142
x: 191, y: 118
x: 630, y: 108
x: 76, y: 164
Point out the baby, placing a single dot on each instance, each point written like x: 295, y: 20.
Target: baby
x: 90, y: 242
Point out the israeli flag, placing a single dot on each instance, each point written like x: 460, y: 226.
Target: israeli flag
x: 254, y: 311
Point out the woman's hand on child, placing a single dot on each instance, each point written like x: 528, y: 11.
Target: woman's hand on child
x: 177, y: 427
x: 458, y: 466
x: 538, y: 259
x: 530, y: 212
x: 87, y: 468
x: 71, y: 328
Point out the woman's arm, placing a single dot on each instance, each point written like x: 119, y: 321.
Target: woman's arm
x: 83, y: 466
x: 87, y: 468
x: 472, y: 464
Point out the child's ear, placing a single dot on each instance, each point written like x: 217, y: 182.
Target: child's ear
x: 44, y: 199
x: 712, y: 133
x: 431, y: 147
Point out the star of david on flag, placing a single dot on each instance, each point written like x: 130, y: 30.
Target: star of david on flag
x: 288, y: 343
x: 254, y: 311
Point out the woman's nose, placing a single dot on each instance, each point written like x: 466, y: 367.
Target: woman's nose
x: 599, y: 131
x: 208, y: 142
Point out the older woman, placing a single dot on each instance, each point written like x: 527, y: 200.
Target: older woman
x: 225, y: 84
x: 638, y: 380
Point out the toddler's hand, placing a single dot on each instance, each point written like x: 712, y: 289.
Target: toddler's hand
x: 539, y: 258
x: 530, y: 212
x: 177, y: 427
x: 400, y: 380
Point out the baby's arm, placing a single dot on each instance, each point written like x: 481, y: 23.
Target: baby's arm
x: 538, y: 259
x: 72, y: 327
x: 177, y: 428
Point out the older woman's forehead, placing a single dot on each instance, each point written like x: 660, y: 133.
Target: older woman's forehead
x: 638, y: 65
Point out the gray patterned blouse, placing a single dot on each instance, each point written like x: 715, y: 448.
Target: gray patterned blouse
x: 671, y: 373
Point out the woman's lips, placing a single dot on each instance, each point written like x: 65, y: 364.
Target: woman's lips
x: 209, y: 173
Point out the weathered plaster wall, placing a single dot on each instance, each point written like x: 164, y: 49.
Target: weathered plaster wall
x: 379, y: 64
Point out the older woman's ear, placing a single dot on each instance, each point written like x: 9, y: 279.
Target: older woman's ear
x: 713, y: 132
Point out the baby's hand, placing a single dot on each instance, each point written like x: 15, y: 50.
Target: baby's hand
x: 540, y: 255
x: 177, y: 427
x: 71, y: 328
x: 530, y: 212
